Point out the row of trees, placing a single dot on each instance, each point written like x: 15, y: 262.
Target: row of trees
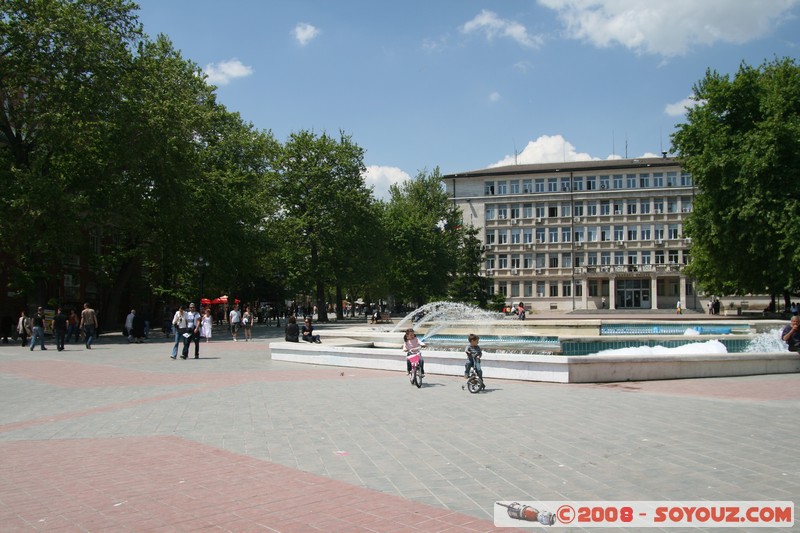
x: 113, y: 148
x: 741, y: 143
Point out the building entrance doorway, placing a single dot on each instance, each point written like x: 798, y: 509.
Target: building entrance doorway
x: 633, y: 294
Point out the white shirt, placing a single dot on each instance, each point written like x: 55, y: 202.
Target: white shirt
x: 235, y: 316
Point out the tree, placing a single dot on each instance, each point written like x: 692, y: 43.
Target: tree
x: 469, y: 286
x: 60, y: 67
x: 423, y: 231
x: 741, y: 144
x: 326, y: 212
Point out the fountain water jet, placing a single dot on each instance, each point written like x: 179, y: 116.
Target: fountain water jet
x: 567, y: 343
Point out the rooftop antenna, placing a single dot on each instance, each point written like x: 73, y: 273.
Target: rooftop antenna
x: 515, y: 151
x: 626, y: 145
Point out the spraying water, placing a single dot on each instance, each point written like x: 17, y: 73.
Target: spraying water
x: 442, y: 314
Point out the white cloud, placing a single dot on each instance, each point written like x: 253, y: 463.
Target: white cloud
x: 679, y: 108
x: 223, y: 72
x: 669, y: 28
x: 304, y: 33
x: 545, y: 149
x: 380, y: 178
x: 493, y: 26
x: 495, y: 97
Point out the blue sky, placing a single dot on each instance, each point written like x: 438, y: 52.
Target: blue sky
x: 465, y: 85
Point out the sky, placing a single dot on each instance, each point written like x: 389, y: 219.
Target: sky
x: 465, y: 85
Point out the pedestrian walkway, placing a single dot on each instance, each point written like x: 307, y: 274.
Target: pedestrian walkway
x: 123, y: 438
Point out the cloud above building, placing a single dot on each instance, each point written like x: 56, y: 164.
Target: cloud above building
x: 492, y: 27
x: 380, y: 178
x: 304, y: 33
x: 670, y: 28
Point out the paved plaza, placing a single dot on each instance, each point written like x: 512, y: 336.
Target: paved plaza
x: 122, y: 438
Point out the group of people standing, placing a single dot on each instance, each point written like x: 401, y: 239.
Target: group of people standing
x: 190, y: 326
x: 63, y: 326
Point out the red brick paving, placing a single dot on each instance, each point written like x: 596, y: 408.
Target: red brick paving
x: 170, y: 484
x: 763, y: 388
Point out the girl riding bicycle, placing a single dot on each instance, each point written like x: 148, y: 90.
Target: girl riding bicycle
x: 412, y: 345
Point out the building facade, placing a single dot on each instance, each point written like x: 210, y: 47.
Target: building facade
x: 583, y: 235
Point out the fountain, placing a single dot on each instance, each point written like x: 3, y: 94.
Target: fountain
x: 558, y: 350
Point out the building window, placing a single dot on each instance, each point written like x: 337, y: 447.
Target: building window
x: 578, y: 289
x: 604, y: 183
x: 540, y: 289
x: 578, y: 234
x: 491, y: 214
x: 566, y: 210
x: 515, y: 211
x: 539, y: 260
x: 591, y: 209
x: 566, y: 235
x: 566, y: 289
x: 631, y: 181
x: 658, y: 205
x: 501, y: 187
x: 527, y: 210
x: 488, y: 188
x: 577, y: 184
x: 672, y: 205
x: 645, y: 233
x: 514, y: 187
x: 578, y: 210
x: 673, y: 257
x: 579, y: 260
x: 490, y: 237
x: 527, y: 261
x: 540, y: 185
x: 658, y: 232
x: 554, y: 261
x: 673, y: 232
x: 553, y: 289
x: 617, y: 207
x: 527, y: 235
x: 502, y: 236
x: 552, y: 211
x: 659, y: 257
x: 605, y: 208
x: 539, y: 211
x: 515, y: 235
x: 591, y: 234
x: 605, y: 258
x: 592, y: 258
x: 632, y: 208
x: 552, y: 185
x: 644, y: 207
x: 553, y: 235
x: 502, y: 212
x: 633, y: 233
x: 619, y: 258
x: 644, y: 181
x: 617, y: 181
x: 591, y: 183
x: 502, y: 288
x: 605, y: 233
x: 502, y: 261
x: 658, y: 179
x: 593, y: 288
x: 686, y: 179
x: 515, y: 290
x: 489, y: 262
x: 527, y: 186
x: 540, y: 235
x: 646, y: 257
x: 566, y: 260
x: 619, y: 233
x: 672, y: 179
x: 528, y: 289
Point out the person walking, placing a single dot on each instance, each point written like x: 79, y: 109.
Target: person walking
x: 206, y: 324
x: 60, y: 329
x: 37, y: 323
x: 88, y: 324
x: 193, y: 328
x: 129, y: 325
x: 179, y: 326
x: 72, y: 327
x: 247, y: 323
x: 236, y: 321
x: 24, y: 327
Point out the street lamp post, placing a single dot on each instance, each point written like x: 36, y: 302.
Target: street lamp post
x: 201, y: 264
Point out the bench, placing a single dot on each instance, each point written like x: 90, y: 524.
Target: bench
x: 382, y: 318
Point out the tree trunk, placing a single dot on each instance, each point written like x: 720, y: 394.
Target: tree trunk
x: 339, y: 310
x: 322, y: 309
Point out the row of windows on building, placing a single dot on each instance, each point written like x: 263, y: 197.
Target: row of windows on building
x: 566, y: 234
x: 643, y: 206
x: 596, y: 288
x: 588, y: 183
x: 602, y: 258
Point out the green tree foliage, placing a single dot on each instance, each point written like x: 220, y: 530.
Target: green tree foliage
x: 60, y: 67
x: 326, y: 213
x: 469, y: 286
x: 741, y: 144
x: 424, y: 235
x: 113, y: 148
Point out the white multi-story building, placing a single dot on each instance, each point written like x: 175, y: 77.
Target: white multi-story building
x: 583, y: 235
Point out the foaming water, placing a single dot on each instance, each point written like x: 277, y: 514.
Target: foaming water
x: 767, y: 342
x: 443, y: 313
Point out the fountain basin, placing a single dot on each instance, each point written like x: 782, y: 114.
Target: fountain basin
x: 548, y: 368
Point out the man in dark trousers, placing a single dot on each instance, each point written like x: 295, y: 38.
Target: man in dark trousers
x: 60, y: 329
